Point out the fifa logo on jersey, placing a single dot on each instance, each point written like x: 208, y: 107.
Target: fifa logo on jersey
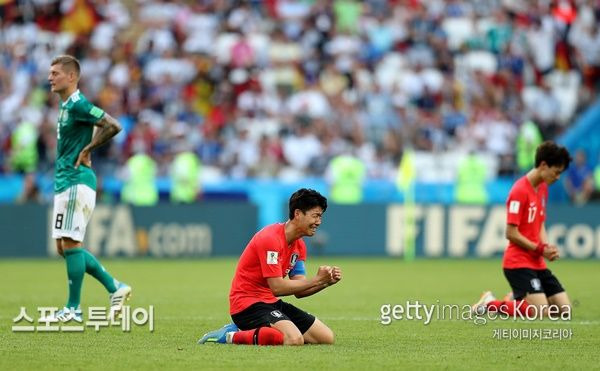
x: 272, y: 257
x: 514, y: 206
x: 536, y: 284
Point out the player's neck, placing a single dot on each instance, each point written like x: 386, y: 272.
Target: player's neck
x: 534, y: 177
x: 65, y: 94
x: 291, y: 232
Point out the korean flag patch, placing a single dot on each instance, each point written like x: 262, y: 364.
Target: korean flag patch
x: 272, y: 257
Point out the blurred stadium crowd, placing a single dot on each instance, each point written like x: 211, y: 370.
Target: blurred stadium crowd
x: 277, y: 88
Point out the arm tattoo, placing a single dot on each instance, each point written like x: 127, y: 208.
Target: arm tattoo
x: 108, y: 127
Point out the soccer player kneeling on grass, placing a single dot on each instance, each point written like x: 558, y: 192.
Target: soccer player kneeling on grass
x: 534, y: 287
x: 273, y: 253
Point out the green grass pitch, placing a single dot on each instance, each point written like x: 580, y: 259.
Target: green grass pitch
x: 190, y: 297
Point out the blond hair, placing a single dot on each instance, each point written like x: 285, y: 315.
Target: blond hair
x: 68, y: 62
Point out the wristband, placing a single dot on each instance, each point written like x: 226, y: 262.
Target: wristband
x: 539, y: 249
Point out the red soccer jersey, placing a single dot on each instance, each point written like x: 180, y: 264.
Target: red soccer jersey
x: 266, y: 255
x: 526, y: 208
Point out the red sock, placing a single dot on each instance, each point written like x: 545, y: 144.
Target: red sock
x: 510, y: 307
x: 259, y: 336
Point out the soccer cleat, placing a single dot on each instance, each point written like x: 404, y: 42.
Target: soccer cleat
x: 223, y: 335
x: 481, y: 306
x: 72, y: 314
x: 118, y: 298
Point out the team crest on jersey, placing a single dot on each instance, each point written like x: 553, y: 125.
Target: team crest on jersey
x: 536, y: 284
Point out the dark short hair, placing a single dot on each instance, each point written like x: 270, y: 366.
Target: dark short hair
x: 305, y: 199
x: 68, y: 62
x: 552, y: 154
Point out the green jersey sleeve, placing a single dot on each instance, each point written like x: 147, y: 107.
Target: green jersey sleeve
x: 86, y: 112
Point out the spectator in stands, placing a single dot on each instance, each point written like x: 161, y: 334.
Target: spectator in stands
x: 546, y: 111
x: 385, y: 71
x: 30, y: 191
x: 185, y: 177
x: 579, y: 181
x: 472, y: 175
x: 346, y: 175
x: 596, y: 193
x: 24, y: 155
x: 528, y: 139
x: 140, y: 187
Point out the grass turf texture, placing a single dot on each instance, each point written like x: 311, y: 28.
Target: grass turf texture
x: 190, y: 298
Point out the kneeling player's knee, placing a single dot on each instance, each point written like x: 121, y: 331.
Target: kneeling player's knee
x: 328, y: 337
x: 293, y: 339
x: 565, y: 308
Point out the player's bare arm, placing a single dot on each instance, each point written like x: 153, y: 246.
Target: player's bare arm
x: 282, y: 287
x: 550, y: 252
x: 107, y: 127
x: 544, y: 238
x: 336, y: 276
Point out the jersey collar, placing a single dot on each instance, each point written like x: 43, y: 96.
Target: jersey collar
x: 71, y: 96
x: 535, y: 189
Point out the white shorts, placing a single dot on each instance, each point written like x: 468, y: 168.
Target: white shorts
x: 72, y: 211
